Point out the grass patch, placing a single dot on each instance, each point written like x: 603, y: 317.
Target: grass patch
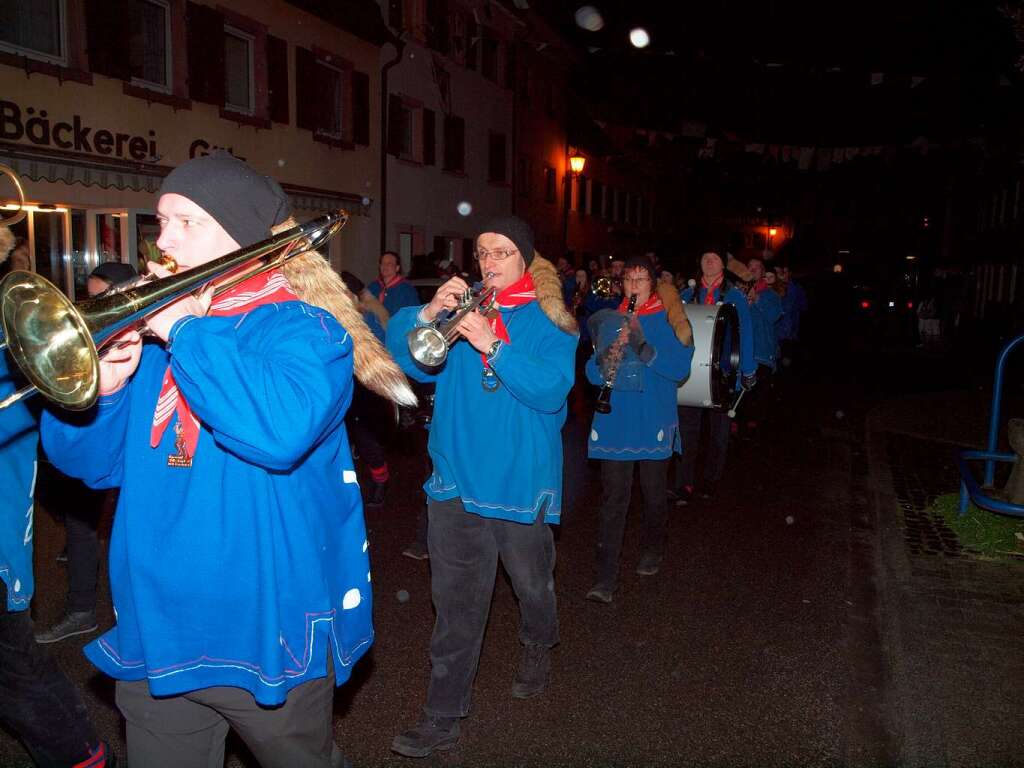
x: 981, y: 531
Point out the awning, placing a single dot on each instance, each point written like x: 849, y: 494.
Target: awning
x: 53, y: 168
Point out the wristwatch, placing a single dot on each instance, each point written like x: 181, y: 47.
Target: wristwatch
x: 493, y: 350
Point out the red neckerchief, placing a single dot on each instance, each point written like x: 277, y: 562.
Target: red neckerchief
x: 268, y: 288
x: 521, y: 292
x: 709, y: 297
x: 649, y: 307
x: 384, y: 285
x: 761, y: 285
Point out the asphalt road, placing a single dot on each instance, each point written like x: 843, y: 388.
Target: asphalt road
x: 757, y: 644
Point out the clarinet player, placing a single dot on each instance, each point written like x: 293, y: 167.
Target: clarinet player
x: 646, y: 362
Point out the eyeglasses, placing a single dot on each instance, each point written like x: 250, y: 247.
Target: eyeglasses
x: 636, y: 280
x: 498, y: 255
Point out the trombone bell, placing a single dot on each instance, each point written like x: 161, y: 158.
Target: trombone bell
x: 53, y: 346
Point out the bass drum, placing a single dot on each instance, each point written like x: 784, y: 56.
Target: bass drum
x: 716, y: 357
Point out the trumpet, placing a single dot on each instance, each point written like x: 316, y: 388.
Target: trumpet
x: 429, y: 344
x: 57, y: 344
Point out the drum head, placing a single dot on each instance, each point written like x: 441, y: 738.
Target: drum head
x: 725, y: 362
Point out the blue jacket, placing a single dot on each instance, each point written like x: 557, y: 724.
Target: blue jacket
x: 501, y: 451
x: 18, y: 440
x: 794, y: 304
x: 765, y: 313
x: 246, y: 569
x: 643, y: 423
x: 748, y: 366
x: 401, y: 295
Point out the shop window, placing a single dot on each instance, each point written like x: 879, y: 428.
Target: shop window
x: 37, y: 29
x: 149, y: 44
x: 238, y: 71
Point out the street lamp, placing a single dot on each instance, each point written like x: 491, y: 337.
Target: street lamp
x: 577, y: 163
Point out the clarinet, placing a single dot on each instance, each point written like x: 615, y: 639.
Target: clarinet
x: 615, y: 351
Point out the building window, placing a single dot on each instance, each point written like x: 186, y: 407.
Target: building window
x: 334, y: 101
x: 489, y: 56
x: 238, y: 71
x: 496, y: 157
x: 581, y: 195
x: 405, y: 128
x: 549, y: 184
x: 454, y: 144
x: 36, y: 29
x: 149, y: 47
x: 597, y: 199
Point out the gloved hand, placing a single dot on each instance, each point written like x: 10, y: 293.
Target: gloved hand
x: 748, y: 381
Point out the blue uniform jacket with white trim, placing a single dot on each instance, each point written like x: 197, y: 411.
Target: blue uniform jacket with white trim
x: 18, y: 440
x: 748, y: 366
x: 765, y: 314
x: 248, y: 568
x: 500, y: 451
x: 401, y: 295
x: 643, y: 423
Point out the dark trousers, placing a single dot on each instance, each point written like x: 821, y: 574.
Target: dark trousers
x: 82, y: 523
x: 464, y: 551
x: 719, y: 425
x: 188, y: 730
x: 617, y: 487
x: 37, y: 700
x: 365, y: 422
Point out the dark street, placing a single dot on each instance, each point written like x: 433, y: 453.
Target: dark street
x: 792, y: 623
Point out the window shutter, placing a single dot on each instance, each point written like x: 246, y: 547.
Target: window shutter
x: 429, y: 138
x: 307, y: 100
x: 361, y: 108
x: 496, y: 157
x: 454, y: 143
x: 205, y: 54
x: 394, y: 108
x: 108, y: 27
x: 277, y: 78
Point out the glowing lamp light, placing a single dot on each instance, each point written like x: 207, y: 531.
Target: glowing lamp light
x: 577, y: 164
x: 772, y: 232
x: 639, y: 37
x: 865, y: 305
x: 892, y: 305
x: 838, y: 269
x: 911, y: 258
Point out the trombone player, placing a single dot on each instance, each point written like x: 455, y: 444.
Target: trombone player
x: 238, y: 562
x: 496, y: 484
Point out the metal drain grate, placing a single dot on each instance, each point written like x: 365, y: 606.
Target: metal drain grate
x: 921, y: 471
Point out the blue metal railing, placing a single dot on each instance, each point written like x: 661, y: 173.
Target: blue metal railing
x: 970, y: 489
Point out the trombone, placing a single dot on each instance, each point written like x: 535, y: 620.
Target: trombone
x: 57, y: 344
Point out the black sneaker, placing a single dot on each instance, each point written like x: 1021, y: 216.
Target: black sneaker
x: 377, y: 494
x: 649, y: 564
x: 684, y: 496
x: 534, y: 672
x: 429, y: 735
x: 416, y: 551
x: 600, y: 594
x: 76, y: 623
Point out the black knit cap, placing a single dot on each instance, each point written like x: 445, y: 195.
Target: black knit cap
x: 516, y: 230
x: 246, y: 203
x: 354, y: 283
x: 643, y: 263
x: 114, y: 272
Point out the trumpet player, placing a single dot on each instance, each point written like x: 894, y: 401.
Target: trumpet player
x: 496, y: 484
x: 238, y: 562
x: 649, y: 354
